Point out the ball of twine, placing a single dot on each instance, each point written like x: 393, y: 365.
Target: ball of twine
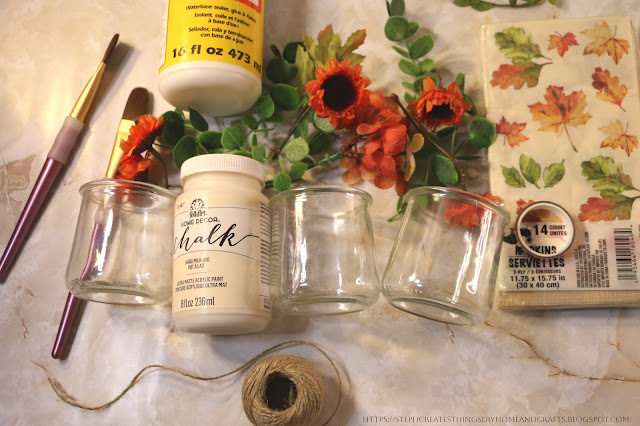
x: 283, y: 390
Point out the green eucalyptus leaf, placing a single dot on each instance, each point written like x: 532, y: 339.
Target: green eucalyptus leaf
x: 320, y: 143
x: 409, y: 67
x: 231, y: 138
x: 464, y: 3
x: 265, y: 107
x: 446, y: 131
x: 280, y: 71
x: 242, y: 153
x: 254, y: 140
x: 184, y: 149
x: 482, y: 132
x: 302, y: 130
x: 553, y: 174
x: 289, y: 52
x: 297, y: 170
x: 173, y: 129
x: 473, y: 110
x: 258, y: 153
x: 445, y: 170
x: 530, y: 169
x: 396, y: 28
x: 426, y: 65
x: 285, y: 97
x: 482, y: 6
x: 460, y: 80
x: 512, y: 177
x: 276, y: 118
x: 408, y: 97
x: 395, y: 7
x: 180, y: 113
x: 198, y: 121
x: 323, y: 124
x: 282, y: 181
x: 552, y: 1
x: 412, y: 29
x: 250, y: 121
x: 210, y: 140
x: 401, y: 51
x: 421, y: 46
x: 296, y: 150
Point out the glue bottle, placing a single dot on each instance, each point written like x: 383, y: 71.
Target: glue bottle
x: 212, y: 55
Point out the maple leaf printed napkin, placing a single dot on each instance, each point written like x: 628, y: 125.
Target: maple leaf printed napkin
x: 564, y: 95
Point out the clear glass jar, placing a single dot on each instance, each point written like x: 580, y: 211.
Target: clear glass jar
x: 123, y: 243
x: 444, y: 263
x: 322, y: 251
x: 221, y: 247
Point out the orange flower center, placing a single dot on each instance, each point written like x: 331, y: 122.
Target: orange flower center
x: 339, y: 92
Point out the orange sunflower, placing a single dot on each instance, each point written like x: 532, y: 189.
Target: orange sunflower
x: 142, y: 135
x: 133, y: 167
x: 338, y: 92
x: 438, y: 107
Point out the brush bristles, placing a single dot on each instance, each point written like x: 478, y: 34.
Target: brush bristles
x: 110, y: 48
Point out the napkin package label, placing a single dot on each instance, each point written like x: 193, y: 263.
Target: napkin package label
x: 564, y: 94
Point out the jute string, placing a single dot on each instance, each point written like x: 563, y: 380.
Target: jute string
x: 263, y: 406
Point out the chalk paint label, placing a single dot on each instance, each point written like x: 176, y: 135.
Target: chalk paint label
x: 228, y: 31
x: 221, y: 256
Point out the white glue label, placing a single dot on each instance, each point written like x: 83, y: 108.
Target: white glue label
x: 221, y: 256
x: 603, y: 256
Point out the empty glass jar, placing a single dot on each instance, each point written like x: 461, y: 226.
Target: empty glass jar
x: 122, y: 249
x: 444, y: 263
x: 322, y: 251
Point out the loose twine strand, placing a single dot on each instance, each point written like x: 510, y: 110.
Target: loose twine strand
x: 71, y: 400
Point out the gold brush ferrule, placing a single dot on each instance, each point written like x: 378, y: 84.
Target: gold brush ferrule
x: 117, y: 153
x: 83, y: 104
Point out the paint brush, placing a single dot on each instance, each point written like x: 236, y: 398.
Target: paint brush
x: 135, y: 107
x: 56, y: 159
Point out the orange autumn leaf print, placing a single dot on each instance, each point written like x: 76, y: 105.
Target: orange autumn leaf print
x: 605, y: 208
x: 618, y: 137
x: 562, y: 42
x: 604, y: 41
x: 608, y: 87
x: 560, y: 111
x: 512, y: 132
x: 508, y: 75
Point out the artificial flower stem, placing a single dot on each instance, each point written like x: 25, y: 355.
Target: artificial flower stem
x: 429, y: 137
x: 157, y: 155
x: 292, y: 129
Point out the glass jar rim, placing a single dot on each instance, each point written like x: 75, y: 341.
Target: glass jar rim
x: 321, y: 188
x: 469, y: 196
x: 133, y: 184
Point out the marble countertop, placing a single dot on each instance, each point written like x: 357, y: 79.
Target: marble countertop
x: 580, y: 365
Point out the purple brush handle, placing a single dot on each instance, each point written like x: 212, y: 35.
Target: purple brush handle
x: 57, y: 157
x: 73, y: 304
x: 45, y: 181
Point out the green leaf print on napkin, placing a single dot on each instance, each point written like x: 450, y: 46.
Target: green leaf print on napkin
x: 518, y: 45
x: 531, y: 171
x: 609, y: 179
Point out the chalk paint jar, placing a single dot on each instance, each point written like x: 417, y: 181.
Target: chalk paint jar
x: 222, y: 243
x: 212, y: 55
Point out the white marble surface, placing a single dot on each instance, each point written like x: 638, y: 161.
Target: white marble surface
x: 580, y: 363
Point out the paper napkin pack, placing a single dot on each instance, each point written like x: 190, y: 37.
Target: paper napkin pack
x: 564, y: 95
